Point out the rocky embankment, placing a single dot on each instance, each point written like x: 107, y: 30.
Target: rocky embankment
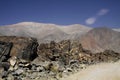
x: 23, y: 59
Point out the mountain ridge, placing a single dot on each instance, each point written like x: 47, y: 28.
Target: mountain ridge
x: 41, y: 30
x: 94, y: 39
x: 99, y: 39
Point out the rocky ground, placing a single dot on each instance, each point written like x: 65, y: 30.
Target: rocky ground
x: 23, y: 59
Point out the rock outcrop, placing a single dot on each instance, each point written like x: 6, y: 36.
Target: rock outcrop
x: 67, y: 50
x: 24, y: 48
x: 5, y: 48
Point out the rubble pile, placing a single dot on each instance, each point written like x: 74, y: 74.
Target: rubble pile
x: 23, y: 59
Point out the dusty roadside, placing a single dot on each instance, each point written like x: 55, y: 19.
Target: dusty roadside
x: 102, y: 71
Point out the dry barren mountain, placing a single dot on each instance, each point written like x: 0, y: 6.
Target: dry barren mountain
x: 55, y: 60
x: 95, y: 40
x: 99, y: 39
x: 75, y: 31
x: 44, y: 32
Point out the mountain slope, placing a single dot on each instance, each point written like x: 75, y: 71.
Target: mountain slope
x: 75, y: 31
x: 44, y: 32
x: 31, y: 29
x: 99, y: 39
x: 75, y: 28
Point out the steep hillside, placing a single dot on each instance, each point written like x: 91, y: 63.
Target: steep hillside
x: 99, y: 39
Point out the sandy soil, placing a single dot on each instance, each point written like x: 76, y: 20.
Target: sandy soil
x: 102, y: 71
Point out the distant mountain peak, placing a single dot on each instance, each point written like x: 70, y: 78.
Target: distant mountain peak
x: 99, y: 39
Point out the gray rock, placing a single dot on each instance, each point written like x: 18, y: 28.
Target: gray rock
x: 34, y: 75
x: 10, y: 77
x: 34, y: 67
x: 18, y: 72
x: 5, y: 48
x: 40, y: 69
x: 4, y: 74
x: 1, y: 70
x: 5, y: 65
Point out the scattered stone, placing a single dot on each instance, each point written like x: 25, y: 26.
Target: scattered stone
x: 13, y: 61
x: 10, y: 77
x: 34, y: 75
x: 40, y: 69
x: 5, y: 65
x: 82, y: 66
x: 1, y: 70
x: 4, y: 74
x: 18, y: 72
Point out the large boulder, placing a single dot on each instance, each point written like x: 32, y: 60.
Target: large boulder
x: 5, y: 48
x: 23, y: 48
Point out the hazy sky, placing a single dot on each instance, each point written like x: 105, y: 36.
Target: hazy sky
x: 93, y: 13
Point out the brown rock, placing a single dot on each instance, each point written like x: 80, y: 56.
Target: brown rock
x: 25, y: 48
x: 5, y: 48
x: 68, y: 50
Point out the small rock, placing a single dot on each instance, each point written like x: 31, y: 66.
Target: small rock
x: 5, y: 65
x: 1, y: 70
x: 55, y: 66
x: 34, y: 67
x: 34, y: 75
x: 10, y: 77
x: 17, y: 78
x: 18, y: 72
x: 82, y: 66
x: 73, y: 62
x: 16, y: 67
x: 13, y: 61
x: 40, y: 68
x: 11, y: 68
x: 46, y: 64
x: 4, y: 74
x: 69, y: 69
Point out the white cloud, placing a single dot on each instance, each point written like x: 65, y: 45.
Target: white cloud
x: 103, y: 12
x: 90, y: 21
x: 93, y: 19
